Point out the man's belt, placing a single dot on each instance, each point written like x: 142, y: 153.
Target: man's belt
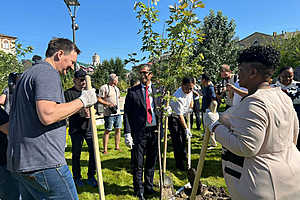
x: 150, y: 128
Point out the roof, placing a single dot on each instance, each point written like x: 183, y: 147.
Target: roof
x: 256, y: 33
x: 86, y: 67
x: 256, y: 37
x: 12, y: 37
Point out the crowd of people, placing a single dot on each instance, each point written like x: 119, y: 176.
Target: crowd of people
x: 258, y: 129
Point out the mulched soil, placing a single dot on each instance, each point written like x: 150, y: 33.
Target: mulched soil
x: 204, y: 192
x: 207, y: 193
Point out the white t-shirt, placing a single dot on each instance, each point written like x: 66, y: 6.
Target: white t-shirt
x: 182, y: 105
x: 110, y: 94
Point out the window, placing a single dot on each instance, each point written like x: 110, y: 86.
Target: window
x: 255, y: 43
x: 5, y: 44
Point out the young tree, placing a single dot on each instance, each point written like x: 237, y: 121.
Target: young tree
x: 171, y: 55
x: 219, y: 46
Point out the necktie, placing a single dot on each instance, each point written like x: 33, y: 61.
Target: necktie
x: 148, y: 107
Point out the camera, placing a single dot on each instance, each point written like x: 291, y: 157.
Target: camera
x: 219, y: 88
x: 114, y: 109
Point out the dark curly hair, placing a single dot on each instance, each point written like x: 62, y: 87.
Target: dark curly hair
x: 285, y: 68
x: 264, y: 58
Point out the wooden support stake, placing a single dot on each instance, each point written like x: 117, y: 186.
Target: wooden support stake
x: 189, y: 141
x: 165, y: 139
x: 96, y: 144
x: 161, y: 184
x: 213, y: 108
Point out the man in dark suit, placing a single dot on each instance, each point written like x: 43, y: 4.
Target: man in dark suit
x: 141, y: 119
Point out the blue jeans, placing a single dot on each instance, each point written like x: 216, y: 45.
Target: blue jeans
x: 9, y: 187
x: 110, y: 121
x: 54, y: 183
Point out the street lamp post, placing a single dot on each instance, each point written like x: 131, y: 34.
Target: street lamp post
x: 75, y: 4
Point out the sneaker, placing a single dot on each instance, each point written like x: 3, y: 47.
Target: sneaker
x: 78, y: 182
x: 211, y: 147
x: 92, y: 181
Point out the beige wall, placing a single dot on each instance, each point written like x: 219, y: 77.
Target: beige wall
x: 7, y: 44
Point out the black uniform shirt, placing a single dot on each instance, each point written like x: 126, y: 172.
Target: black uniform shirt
x: 3, y: 137
x: 76, y: 122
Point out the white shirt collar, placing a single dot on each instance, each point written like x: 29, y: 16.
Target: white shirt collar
x: 144, y: 86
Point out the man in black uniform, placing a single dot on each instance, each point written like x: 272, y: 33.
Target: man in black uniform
x: 140, y: 124
x: 9, y: 187
x: 79, y: 130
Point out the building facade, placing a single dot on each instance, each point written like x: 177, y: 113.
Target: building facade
x: 7, y: 44
x: 96, y: 60
x: 258, y: 38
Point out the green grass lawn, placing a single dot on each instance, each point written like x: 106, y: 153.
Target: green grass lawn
x: 116, y: 168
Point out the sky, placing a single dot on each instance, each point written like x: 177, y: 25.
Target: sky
x: 109, y: 28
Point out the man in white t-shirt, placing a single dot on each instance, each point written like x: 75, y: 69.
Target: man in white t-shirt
x: 178, y: 124
x: 109, y: 96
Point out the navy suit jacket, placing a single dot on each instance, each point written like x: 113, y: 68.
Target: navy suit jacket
x: 135, y: 114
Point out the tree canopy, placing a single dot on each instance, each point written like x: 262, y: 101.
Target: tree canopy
x: 289, y: 48
x: 102, y: 71
x: 10, y: 63
x: 219, y: 45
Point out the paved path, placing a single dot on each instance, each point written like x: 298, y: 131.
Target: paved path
x: 122, y: 102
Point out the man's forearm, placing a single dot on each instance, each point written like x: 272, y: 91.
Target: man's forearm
x: 4, y: 128
x: 102, y: 101
x: 240, y: 92
x: 50, y: 112
x: 182, y: 121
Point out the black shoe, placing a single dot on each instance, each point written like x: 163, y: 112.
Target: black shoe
x: 150, y: 193
x: 92, y: 181
x: 181, y: 167
x: 78, y: 182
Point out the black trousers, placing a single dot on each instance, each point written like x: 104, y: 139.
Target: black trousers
x: 178, y: 141
x: 297, y: 108
x: 146, y: 147
x: 77, y: 139
x: 196, y: 111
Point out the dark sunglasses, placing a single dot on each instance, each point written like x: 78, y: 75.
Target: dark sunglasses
x: 81, y: 79
x: 145, y: 73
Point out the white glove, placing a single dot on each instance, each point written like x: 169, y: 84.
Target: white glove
x: 188, y: 133
x: 168, y: 110
x: 128, y: 140
x: 210, y: 119
x: 88, y: 97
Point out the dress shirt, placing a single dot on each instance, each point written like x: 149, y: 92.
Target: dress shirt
x: 151, y: 103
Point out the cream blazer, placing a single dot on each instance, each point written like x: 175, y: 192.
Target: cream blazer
x: 262, y: 131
